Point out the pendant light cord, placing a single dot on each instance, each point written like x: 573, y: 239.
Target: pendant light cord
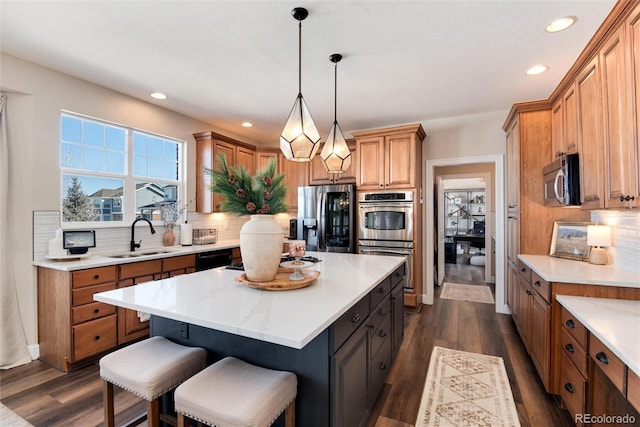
x: 299, y: 57
x: 335, y: 94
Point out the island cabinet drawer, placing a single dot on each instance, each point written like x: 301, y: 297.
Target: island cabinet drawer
x: 573, y: 387
x: 608, y: 362
x: 524, y: 270
x: 575, y: 352
x: 541, y: 286
x: 91, y: 311
x: 397, y: 276
x: 94, y: 337
x: 379, y: 313
x: 93, y: 276
x: 348, y: 323
x: 380, y: 336
x: 574, y: 327
x: 381, y: 291
x: 379, y: 369
x: 85, y: 295
x: 633, y: 389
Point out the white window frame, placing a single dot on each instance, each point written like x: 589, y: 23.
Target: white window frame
x: 129, y: 180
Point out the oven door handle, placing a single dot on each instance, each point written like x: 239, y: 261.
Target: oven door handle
x: 386, y: 251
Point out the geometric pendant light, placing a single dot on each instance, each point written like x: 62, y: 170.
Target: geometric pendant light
x: 335, y: 154
x: 300, y: 139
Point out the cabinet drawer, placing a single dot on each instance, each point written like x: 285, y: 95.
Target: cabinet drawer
x: 348, y: 322
x: 524, y: 270
x: 575, y: 352
x: 94, y: 337
x: 608, y: 362
x: 572, y: 387
x: 380, y: 365
x: 91, y: 311
x: 379, y: 313
x: 397, y: 276
x: 85, y: 295
x: 93, y: 276
x: 380, y: 335
x: 381, y: 291
x: 633, y: 389
x: 541, y: 286
x: 137, y: 269
x: 574, y: 327
x: 179, y: 262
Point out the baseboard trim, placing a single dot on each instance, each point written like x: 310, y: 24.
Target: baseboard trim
x: 34, y: 351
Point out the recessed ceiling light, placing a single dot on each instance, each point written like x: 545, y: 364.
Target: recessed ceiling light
x: 158, y: 95
x: 537, y: 69
x: 247, y: 124
x: 560, y: 24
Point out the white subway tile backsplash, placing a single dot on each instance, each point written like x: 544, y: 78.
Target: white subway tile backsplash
x: 625, y: 250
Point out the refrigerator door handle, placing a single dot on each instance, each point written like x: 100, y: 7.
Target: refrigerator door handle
x: 322, y: 244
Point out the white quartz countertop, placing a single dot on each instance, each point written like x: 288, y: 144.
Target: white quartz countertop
x: 293, y: 318
x: 614, y: 322
x: 563, y: 270
x: 100, y: 260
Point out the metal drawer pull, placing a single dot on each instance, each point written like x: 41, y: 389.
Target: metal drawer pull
x: 382, y: 333
x: 602, y: 358
x: 355, y: 317
x: 570, y: 323
x: 569, y: 348
x: 568, y: 387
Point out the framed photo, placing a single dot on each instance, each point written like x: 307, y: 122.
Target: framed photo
x: 569, y: 240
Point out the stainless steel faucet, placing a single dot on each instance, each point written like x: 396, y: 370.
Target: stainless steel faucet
x: 133, y: 245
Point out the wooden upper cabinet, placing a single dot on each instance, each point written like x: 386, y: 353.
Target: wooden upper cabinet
x: 208, y: 146
x: 389, y: 158
x: 296, y: 174
x: 557, y: 129
x: 632, y: 148
x: 264, y: 155
x: 318, y: 174
x: 564, y: 122
x: 589, y: 102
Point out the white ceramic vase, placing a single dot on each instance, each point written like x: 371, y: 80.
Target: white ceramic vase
x: 261, y: 240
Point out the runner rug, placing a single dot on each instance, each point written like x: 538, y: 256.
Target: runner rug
x: 472, y: 293
x: 466, y: 389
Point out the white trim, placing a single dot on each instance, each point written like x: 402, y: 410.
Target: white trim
x: 428, y: 234
x: 34, y: 351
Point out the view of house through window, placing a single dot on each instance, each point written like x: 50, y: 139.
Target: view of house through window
x: 112, y: 173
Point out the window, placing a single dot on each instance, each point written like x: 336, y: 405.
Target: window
x: 111, y: 173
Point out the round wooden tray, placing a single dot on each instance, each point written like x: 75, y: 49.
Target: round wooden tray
x: 282, y: 282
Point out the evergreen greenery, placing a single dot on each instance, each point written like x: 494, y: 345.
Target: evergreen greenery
x: 77, y: 205
x: 246, y: 195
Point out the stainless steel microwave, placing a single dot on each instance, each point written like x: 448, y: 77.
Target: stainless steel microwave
x: 562, y: 181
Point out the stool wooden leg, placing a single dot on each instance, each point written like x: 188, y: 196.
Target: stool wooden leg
x: 107, y: 393
x: 153, y: 413
x: 290, y: 415
x: 182, y: 420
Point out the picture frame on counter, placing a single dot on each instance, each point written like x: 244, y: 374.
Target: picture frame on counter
x: 569, y: 240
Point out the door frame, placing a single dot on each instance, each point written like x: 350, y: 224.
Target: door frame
x: 428, y: 233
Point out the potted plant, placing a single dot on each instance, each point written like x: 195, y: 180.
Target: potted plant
x: 261, y: 197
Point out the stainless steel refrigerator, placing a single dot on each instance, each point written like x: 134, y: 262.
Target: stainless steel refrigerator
x: 326, y: 217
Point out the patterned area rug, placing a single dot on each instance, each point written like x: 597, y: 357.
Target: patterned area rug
x: 466, y: 389
x: 11, y: 419
x: 472, y: 293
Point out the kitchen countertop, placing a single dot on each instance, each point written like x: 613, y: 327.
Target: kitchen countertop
x: 213, y: 299
x: 614, y: 322
x: 101, y: 260
x: 562, y: 270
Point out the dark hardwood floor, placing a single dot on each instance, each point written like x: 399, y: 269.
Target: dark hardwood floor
x: 47, y: 397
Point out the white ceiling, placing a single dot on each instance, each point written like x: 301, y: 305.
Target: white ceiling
x: 224, y: 62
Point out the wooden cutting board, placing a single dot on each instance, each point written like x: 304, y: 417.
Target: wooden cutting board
x: 282, y: 282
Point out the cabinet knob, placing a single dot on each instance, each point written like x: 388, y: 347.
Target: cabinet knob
x: 626, y: 198
x: 381, y: 185
x: 381, y: 290
x: 537, y: 283
x: 602, y: 358
x: 570, y: 323
x: 96, y: 311
x: 96, y: 276
x: 569, y: 348
x: 568, y: 387
x: 523, y: 270
x: 382, y: 333
x: 383, y: 366
x: 383, y: 312
x: 355, y: 317
x: 97, y: 337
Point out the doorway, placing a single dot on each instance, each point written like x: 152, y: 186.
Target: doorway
x: 430, y: 236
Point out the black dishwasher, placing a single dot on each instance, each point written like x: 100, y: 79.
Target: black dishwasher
x: 213, y: 259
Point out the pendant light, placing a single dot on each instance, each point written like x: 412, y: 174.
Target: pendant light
x: 299, y: 141
x: 336, y: 155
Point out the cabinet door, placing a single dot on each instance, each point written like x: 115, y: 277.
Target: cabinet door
x: 246, y: 157
x: 350, y: 381
x: 263, y: 158
x: 513, y: 166
x: 229, y: 150
x: 400, y: 161
x: 204, y: 160
x: 512, y: 286
x: 614, y: 106
x: 296, y: 174
x: 570, y: 121
x: 539, y: 343
x: 370, y: 164
x: 633, y: 107
x: 397, y: 319
x: 557, y: 129
x: 522, y: 308
x: 589, y: 100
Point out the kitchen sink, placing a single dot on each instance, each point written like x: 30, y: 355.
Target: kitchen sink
x: 137, y: 254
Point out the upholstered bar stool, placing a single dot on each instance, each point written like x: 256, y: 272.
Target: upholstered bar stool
x: 149, y: 369
x: 235, y: 393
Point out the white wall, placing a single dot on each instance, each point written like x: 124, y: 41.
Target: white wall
x: 36, y: 96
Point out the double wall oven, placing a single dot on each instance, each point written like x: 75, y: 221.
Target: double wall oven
x: 386, y: 226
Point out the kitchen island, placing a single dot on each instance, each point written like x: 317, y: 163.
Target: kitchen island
x: 339, y: 335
